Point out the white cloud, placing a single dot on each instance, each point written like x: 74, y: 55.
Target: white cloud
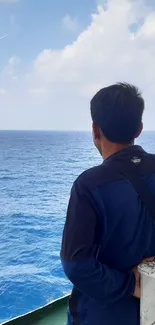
x: 70, y: 23
x: 3, y: 92
x: 55, y: 92
x: 9, y: 73
x: 13, y: 61
x: 37, y: 91
x: 101, y: 54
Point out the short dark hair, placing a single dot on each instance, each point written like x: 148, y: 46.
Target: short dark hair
x: 118, y: 111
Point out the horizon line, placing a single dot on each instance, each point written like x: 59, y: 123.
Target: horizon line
x: 59, y: 130
x: 41, y: 130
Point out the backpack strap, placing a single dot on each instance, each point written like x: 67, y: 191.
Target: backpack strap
x: 130, y: 169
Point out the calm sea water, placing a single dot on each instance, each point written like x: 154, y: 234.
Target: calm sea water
x: 37, y: 170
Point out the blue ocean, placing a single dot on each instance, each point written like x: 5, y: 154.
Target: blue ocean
x: 37, y: 170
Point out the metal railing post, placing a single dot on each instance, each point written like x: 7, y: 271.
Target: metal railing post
x: 147, y: 302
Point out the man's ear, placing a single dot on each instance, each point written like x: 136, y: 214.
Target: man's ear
x: 96, y: 131
x: 140, y: 130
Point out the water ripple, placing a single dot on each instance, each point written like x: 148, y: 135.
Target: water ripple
x: 37, y: 170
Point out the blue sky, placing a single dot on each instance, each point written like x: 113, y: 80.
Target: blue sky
x: 33, y: 25
x: 58, y: 53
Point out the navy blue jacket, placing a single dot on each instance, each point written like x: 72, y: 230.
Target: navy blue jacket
x: 108, y: 230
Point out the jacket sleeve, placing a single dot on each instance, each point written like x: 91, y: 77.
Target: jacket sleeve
x: 88, y: 275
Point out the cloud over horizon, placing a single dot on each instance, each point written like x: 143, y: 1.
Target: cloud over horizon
x: 54, y: 92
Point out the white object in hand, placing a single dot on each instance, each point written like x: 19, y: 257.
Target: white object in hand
x: 147, y: 270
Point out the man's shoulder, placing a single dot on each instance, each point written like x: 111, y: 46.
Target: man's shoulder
x: 97, y: 176
x: 91, y: 174
x: 107, y: 173
x: 148, y: 165
x: 151, y: 156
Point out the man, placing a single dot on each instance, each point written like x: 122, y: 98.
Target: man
x: 108, y: 229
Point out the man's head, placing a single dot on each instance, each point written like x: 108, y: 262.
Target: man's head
x: 117, y: 115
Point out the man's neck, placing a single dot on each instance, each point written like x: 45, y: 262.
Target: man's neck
x: 109, y: 148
